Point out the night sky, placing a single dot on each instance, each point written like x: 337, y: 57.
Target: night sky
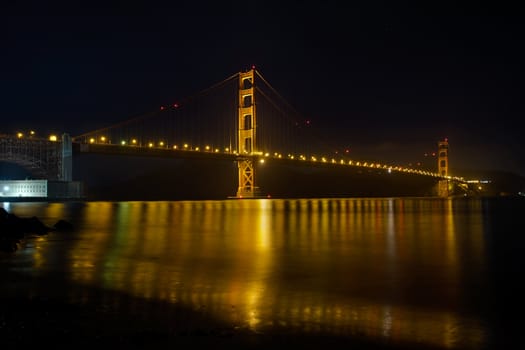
x: 376, y: 78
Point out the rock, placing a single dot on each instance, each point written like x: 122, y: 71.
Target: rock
x: 63, y: 225
x: 13, y: 227
x: 34, y: 225
x: 8, y: 245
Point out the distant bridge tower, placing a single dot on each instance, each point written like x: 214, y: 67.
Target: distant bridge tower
x: 443, y: 186
x: 247, y: 124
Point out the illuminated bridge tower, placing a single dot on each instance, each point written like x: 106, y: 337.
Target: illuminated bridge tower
x: 443, y: 185
x: 247, y: 123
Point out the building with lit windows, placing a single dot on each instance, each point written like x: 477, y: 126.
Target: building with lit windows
x: 40, y: 189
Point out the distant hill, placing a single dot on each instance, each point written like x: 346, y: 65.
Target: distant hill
x: 502, y: 183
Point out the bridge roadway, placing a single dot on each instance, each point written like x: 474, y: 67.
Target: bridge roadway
x: 164, y: 173
x: 113, y: 149
x: 165, y: 152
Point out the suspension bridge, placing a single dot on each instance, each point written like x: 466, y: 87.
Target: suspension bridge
x: 241, y: 119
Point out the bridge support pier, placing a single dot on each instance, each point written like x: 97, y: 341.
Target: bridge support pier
x: 247, y: 188
x: 443, y: 188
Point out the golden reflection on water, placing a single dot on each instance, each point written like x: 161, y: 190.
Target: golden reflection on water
x: 383, y: 268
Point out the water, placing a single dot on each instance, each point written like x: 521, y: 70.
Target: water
x: 428, y: 271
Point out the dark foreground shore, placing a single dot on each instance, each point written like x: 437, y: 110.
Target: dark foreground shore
x: 87, y: 318
x: 37, y: 322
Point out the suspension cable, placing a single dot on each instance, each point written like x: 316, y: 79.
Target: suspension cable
x: 149, y: 114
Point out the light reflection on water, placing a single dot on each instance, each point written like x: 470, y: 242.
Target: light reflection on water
x: 400, y: 269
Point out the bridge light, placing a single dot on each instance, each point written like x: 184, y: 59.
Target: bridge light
x: 216, y: 150
x: 134, y: 141
x: 91, y: 140
x: 53, y: 138
x: 185, y: 145
x: 175, y: 147
x: 161, y: 144
x: 197, y: 148
x: 32, y: 133
x: 19, y: 135
x: 207, y: 148
x: 226, y: 150
x: 150, y: 144
x: 261, y: 160
x: 102, y: 138
x: 123, y: 142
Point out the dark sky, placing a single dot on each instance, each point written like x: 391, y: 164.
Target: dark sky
x: 378, y: 78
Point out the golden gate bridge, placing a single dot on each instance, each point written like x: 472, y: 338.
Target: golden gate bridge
x: 242, y: 119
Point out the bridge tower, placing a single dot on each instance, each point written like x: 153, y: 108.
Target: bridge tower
x: 247, y: 123
x: 443, y: 185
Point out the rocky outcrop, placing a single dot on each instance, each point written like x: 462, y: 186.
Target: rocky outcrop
x: 14, y: 229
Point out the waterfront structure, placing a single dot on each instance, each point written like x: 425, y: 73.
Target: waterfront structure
x: 48, y: 160
x: 23, y: 188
